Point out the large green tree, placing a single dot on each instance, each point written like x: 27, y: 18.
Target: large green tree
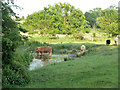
x: 108, y: 21
x: 59, y: 18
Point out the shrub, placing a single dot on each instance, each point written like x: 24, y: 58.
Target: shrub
x: 87, y: 30
x: 94, y: 40
x: 63, y: 51
x: 16, y: 73
x: 79, y: 36
x: 74, y: 51
x: 82, y: 54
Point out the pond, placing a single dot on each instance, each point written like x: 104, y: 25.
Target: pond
x: 40, y: 61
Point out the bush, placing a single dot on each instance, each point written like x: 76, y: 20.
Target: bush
x: 94, y: 40
x: 16, y: 73
x: 74, y: 51
x: 62, y: 51
x: 79, y: 36
x: 87, y: 30
x: 82, y: 54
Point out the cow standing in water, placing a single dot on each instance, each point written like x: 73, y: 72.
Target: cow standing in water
x: 43, y: 50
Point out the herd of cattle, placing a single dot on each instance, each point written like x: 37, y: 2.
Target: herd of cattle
x: 48, y: 49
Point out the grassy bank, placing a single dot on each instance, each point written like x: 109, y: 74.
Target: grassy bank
x: 97, y: 69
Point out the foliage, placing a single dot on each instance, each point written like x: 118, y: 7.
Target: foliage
x: 63, y: 51
x: 58, y: 19
x: 108, y: 21
x: 9, y: 29
x: 19, y: 19
x: 14, y: 72
x: 92, y: 15
x: 78, y: 35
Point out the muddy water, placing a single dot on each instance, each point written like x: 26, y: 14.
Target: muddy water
x: 40, y: 61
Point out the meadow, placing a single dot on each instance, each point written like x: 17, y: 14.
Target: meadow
x: 98, y: 68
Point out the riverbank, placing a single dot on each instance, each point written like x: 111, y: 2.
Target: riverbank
x: 98, y: 69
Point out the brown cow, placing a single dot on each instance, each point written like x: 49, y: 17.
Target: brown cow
x: 43, y: 50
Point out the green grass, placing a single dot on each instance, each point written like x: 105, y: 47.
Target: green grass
x: 69, y: 39
x: 98, y: 69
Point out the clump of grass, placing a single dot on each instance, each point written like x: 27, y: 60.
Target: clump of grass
x: 63, y: 51
x: 74, y: 51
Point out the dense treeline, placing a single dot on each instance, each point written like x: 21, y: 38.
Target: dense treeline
x: 14, y: 64
x: 65, y: 19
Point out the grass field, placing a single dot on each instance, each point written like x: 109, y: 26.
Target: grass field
x: 97, y: 69
x: 69, y: 39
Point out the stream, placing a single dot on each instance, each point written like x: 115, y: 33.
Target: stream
x: 40, y: 61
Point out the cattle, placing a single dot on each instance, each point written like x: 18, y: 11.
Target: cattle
x: 116, y: 41
x: 83, y: 48
x: 107, y: 42
x: 43, y: 50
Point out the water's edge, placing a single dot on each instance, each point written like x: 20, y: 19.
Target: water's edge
x: 39, y: 61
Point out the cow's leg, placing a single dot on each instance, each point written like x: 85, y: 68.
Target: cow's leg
x: 115, y: 42
x: 37, y: 53
x: 50, y: 53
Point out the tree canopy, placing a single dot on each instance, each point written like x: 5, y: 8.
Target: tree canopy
x: 58, y: 19
x: 92, y: 15
x: 108, y: 21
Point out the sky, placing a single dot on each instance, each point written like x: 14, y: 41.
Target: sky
x: 31, y: 6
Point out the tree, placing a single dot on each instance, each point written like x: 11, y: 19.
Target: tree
x: 59, y: 18
x: 13, y: 73
x: 9, y: 28
x: 108, y: 21
x: 92, y: 15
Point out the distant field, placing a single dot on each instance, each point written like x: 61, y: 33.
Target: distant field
x: 44, y: 39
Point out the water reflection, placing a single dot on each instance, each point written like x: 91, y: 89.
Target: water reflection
x: 45, y: 57
x: 40, y: 61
